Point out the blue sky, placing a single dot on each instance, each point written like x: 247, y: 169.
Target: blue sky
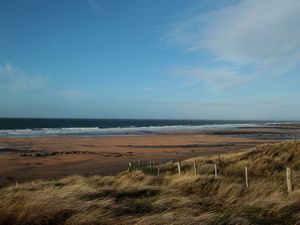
x: 197, y: 59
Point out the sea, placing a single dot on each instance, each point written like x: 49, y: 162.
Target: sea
x: 30, y: 127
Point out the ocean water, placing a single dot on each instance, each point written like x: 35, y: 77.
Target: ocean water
x: 12, y: 127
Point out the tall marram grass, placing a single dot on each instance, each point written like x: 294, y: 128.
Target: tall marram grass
x: 138, y: 198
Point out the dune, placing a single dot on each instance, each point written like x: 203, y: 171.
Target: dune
x: 139, y: 197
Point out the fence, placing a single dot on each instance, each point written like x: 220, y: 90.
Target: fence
x: 155, y: 170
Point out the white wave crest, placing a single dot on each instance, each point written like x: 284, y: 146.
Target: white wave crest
x: 115, y: 130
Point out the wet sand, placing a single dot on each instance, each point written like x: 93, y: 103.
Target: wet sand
x: 26, y: 159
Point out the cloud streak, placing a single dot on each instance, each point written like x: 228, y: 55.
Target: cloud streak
x: 262, y: 36
x: 220, y: 78
x: 14, y: 79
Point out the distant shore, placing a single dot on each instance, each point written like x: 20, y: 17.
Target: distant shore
x: 26, y: 158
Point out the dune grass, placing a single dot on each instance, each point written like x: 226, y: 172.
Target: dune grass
x: 140, y: 198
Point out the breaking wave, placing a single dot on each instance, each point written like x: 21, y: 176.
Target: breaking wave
x: 115, y: 131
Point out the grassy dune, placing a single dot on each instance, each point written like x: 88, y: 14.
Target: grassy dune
x: 140, y: 198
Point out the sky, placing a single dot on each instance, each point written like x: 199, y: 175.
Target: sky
x: 145, y: 59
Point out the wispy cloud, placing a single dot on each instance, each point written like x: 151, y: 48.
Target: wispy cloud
x: 220, y: 78
x: 261, y: 35
x: 14, y: 79
x: 94, y: 4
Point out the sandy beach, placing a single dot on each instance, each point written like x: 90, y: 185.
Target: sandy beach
x: 26, y: 159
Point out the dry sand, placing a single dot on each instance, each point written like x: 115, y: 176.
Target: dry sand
x: 25, y: 159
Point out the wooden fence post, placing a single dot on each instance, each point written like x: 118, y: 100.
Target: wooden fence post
x: 179, y: 167
x: 289, y: 181
x: 158, y: 169
x: 129, y: 167
x: 150, y: 166
x: 139, y: 164
x: 246, y: 177
x: 216, y: 171
x: 195, y: 167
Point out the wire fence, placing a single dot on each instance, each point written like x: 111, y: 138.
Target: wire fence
x: 155, y: 169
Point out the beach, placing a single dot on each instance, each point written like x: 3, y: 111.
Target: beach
x: 25, y: 159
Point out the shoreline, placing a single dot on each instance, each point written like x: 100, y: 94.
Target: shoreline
x: 136, y: 130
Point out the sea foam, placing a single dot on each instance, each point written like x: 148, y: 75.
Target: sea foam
x: 115, y: 130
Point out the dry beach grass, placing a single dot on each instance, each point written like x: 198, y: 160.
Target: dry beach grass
x: 170, y: 198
